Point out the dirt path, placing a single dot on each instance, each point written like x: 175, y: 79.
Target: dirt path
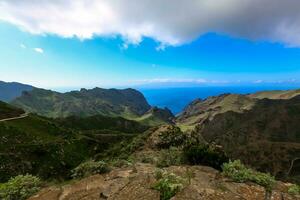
x: 14, y: 118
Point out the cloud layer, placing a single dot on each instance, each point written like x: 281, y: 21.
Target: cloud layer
x: 169, y: 22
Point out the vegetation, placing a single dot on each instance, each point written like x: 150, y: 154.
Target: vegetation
x: 240, y: 173
x: 127, y: 103
x: 49, y: 149
x: 168, y: 184
x: 157, y: 116
x: 253, y: 135
x: 20, y: 187
x: 205, y: 155
x: 294, y: 189
x: 89, y: 168
x: 99, y: 122
x: 168, y: 157
x: 123, y: 150
x: 172, y: 137
x: 8, y: 111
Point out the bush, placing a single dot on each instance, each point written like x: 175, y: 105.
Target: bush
x: 168, y: 184
x: 172, y: 156
x: 294, y: 189
x: 205, y: 155
x: 90, y: 168
x: 20, y: 187
x: 240, y: 173
x: 172, y: 137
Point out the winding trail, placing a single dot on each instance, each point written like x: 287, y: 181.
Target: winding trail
x: 14, y: 118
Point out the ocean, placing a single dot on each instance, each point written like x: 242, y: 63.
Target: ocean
x: 177, y: 98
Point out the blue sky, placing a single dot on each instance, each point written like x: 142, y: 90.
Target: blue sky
x: 50, y: 59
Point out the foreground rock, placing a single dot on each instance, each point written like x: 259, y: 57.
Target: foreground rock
x: 135, y: 182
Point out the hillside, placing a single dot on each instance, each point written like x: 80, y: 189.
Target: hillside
x: 50, y: 149
x: 10, y: 91
x: 99, y: 122
x: 8, y: 111
x: 200, y: 110
x: 276, y: 94
x: 267, y: 137
x: 157, y: 116
x: 152, y: 169
x: 127, y: 103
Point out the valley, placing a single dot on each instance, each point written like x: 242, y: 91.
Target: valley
x: 49, y: 135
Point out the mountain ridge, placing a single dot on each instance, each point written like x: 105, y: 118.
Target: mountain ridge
x: 11, y: 90
x: 110, y: 102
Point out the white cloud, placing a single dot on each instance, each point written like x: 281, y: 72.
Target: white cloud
x: 23, y: 46
x: 38, y: 50
x: 170, y: 22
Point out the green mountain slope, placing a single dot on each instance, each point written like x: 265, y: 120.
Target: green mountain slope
x: 8, y: 111
x: 267, y: 137
x: 127, y: 103
x: 157, y: 116
x: 51, y: 148
x: 276, y: 94
x: 200, y: 110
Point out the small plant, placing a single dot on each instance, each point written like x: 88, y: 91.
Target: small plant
x: 168, y: 157
x: 90, y: 168
x: 120, y: 163
x: 20, y: 187
x: 240, y: 173
x: 205, y: 155
x: 294, y: 189
x: 168, y: 184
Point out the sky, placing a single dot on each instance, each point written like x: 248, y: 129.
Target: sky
x: 150, y: 43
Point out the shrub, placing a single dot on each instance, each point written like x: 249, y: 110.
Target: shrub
x: 240, y: 173
x: 168, y: 184
x: 172, y: 137
x: 294, y: 189
x: 90, y: 168
x: 172, y: 156
x: 205, y: 155
x: 20, y: 187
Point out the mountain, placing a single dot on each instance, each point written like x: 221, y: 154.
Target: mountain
x: 266, y: 137
x: 157, y: 116
x: 9, y: 91
x: 128, y: 103
x: 200, y: 110
x: 8, y: 111
x: 276, y: 94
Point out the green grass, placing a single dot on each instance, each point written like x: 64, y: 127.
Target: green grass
x: 240, y: 173
x: 294, y: 189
